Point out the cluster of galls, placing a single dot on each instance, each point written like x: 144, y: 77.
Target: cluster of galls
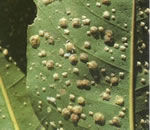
x: 108, y: 38
x: 108, y: 34
x: 72, y: 112
x: 74, y: 58
x: 35, y: 39
x: 75, y: 113
x: 83, y: 84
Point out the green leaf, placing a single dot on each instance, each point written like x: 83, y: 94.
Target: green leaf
x: 51, y: 83
x: 16, y: 111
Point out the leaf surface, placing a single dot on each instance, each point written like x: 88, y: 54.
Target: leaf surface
x: 41, y: 80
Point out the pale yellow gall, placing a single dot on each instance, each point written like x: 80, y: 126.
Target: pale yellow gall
x: 92, y: 65
x: 77, y: 109
x: 99, y: 118
x: 35, y: 41
x: 63, y: 22
x: 119, y: 100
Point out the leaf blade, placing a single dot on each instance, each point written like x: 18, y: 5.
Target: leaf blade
x: 48, y: 23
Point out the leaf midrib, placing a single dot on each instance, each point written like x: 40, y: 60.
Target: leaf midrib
x: 10, y: 110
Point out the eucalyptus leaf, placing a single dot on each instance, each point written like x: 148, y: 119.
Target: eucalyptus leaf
x: 56, y: 70
x: 16, y: 111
